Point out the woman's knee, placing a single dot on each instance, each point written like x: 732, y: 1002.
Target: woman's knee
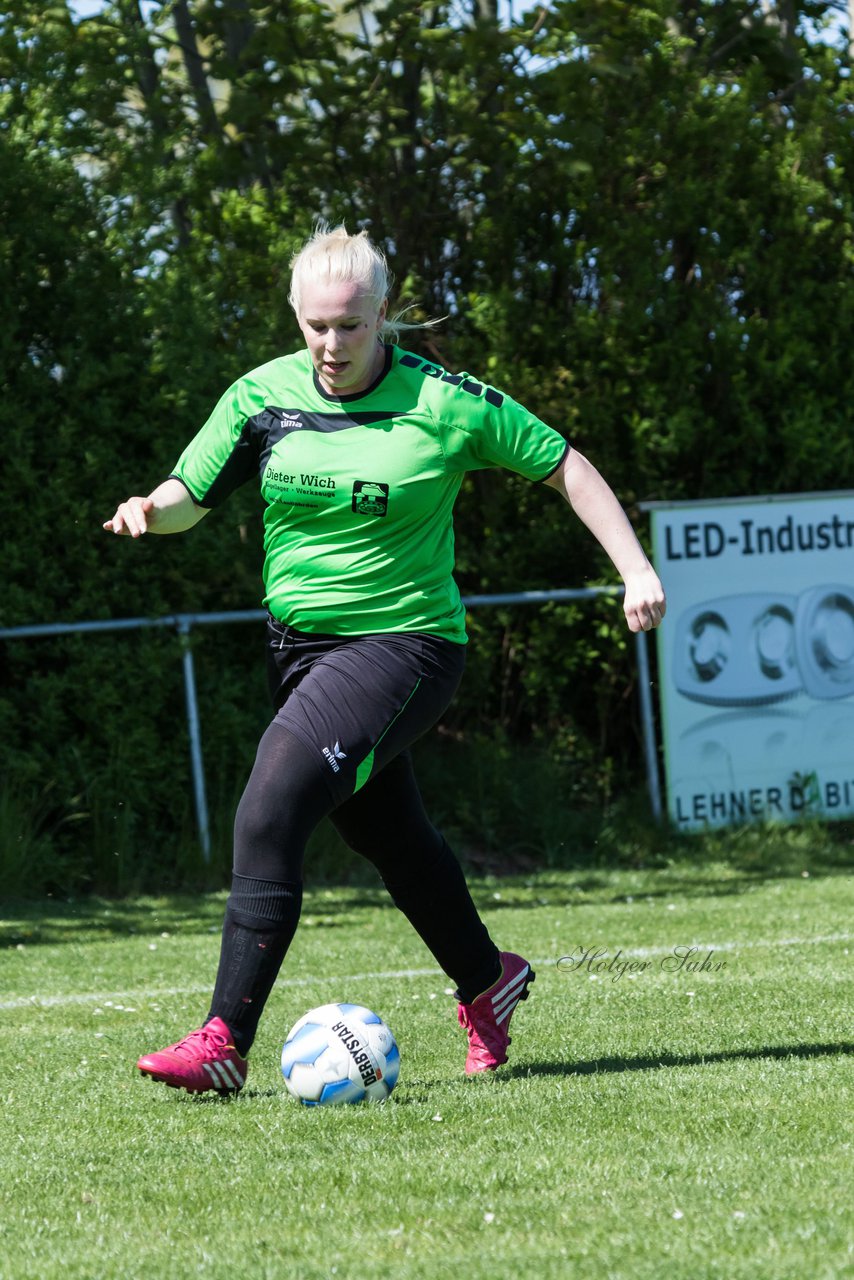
x: 284, y: 800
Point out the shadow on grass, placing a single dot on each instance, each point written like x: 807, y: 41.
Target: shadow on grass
x: 420, y: 1092
x: 226, y: 1099
x: 670, y: 866
x: 657, y: 1062
x: 51, y: 921
x: 592, y: 889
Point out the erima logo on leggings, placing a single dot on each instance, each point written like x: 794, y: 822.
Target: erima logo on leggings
x: 334, y: 755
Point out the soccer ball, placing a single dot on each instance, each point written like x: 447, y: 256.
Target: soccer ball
x: 340, y: 1053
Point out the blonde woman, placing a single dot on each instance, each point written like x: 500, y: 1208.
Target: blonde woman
x: 359, y: 447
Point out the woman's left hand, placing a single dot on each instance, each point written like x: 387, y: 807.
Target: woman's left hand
x: 644, y: 603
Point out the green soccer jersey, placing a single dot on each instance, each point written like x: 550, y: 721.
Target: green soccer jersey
x: 360, y: 489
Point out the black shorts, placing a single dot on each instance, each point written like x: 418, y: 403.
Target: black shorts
x: 356, y: 702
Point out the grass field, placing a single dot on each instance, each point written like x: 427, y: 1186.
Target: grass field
x: 665, y: 1123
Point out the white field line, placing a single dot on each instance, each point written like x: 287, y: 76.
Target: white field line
x: 150, y: 995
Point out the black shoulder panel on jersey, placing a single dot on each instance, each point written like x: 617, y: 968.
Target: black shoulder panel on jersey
x: 240, y: 466
x: 276, y: 424
x: 341, y: 421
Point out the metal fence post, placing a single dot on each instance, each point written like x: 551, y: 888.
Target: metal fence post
x: 184, y: 627
x: 648, y: 725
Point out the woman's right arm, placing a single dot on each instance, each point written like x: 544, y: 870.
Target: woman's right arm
x: 168, y: 509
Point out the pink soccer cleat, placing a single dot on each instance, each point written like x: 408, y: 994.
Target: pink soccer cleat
x: 205, y: 1059
x: 487, y: 1018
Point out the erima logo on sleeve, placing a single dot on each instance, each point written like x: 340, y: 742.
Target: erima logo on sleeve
x: 370, y: 498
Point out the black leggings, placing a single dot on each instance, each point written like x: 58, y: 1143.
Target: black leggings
x: 385, y: 823
x: 329, y: 717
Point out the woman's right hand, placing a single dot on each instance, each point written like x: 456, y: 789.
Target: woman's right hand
x: 169, y: 508
x: 131, y: 518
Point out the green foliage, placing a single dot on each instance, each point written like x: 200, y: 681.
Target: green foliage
x: 637, y: 219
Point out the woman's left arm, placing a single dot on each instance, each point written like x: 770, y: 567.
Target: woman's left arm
x: 596, y: 505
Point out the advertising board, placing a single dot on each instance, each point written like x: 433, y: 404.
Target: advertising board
x: 756, y: 657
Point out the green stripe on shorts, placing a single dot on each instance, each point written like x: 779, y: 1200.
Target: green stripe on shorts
x: 365, y: 769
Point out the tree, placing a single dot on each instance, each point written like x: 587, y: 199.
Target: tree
x: 636, y: 218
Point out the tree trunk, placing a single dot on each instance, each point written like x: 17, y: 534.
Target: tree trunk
x: 193, y: 62
x: 485, y: 10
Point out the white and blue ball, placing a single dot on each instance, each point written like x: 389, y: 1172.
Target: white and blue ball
x: 340, y: 1053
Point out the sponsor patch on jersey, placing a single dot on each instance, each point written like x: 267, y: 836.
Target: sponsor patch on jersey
x: 370, y: 498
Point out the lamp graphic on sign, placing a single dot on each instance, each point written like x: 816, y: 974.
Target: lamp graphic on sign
x: 744, y: 655
x: 761, y: 648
